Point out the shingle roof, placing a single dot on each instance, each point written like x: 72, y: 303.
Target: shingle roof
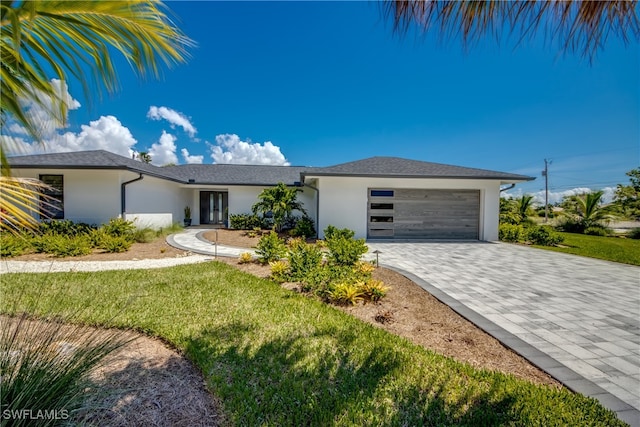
x: 395, y: 167
x: 94, y: 159
x: 227, y: 174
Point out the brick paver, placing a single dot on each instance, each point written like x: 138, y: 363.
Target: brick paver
x: 577, y: 318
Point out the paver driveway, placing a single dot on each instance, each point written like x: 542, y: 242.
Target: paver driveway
x: 577, y: 318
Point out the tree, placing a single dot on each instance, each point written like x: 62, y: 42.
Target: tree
x: 279, y: 201
x: 627, y: 197
x: 516, y: 211
x: 578, y: 26
x: 46, y: 39
x: 586, y: 211
x: 144, y: 157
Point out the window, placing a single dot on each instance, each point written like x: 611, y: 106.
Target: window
x: 381, y: 193
x: 381, y: 218
x: 52, y: 206
x: 384, y: 206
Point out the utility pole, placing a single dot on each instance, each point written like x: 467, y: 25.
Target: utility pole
x: 545, y: 173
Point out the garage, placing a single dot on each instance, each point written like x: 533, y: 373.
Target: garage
x: 403, y: 213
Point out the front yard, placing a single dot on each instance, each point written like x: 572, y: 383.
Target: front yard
x: 274, y: 357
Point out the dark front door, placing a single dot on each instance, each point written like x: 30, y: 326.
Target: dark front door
x: 213, y: 207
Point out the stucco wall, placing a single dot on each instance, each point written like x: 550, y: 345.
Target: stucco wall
x: 343, y: 201
x: 90, y: 196
x: 154, y: 202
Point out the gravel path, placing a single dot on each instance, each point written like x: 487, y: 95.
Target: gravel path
x: 65, y: 266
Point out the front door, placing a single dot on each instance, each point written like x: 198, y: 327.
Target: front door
x: 213, y: 207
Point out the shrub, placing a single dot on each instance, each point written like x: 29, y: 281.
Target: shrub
x: 279, y: 271
x: 596, y: 231
x: 65, y: 227
x: 115, y: 244
x: 511, y: 233
x: 145, y: 235
x: 634, y: 233
x: 571, y: 225
x: 119, y: 227
x: 305, y: 227
x: 373, y: 290
x: 345, y: 293
x: 46, y: 365
x: 245, y: 221
x: 62, y: 246
x: 13, y: 245
x: 343, y: 248
x: 544, y: 236
x: 270, y: 248
x: 245, y: 257
x: 333, y: 232
x: 303, y: 258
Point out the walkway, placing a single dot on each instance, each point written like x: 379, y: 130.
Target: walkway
x: 576, y: 318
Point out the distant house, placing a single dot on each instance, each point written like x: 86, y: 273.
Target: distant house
x: 378, y: 197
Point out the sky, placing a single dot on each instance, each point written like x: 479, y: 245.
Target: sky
x: 323, y: 83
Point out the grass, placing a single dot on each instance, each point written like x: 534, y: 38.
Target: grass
x: 276, y: 358
x: 615, y: 249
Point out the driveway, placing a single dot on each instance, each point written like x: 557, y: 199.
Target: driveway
x: 576, y: 318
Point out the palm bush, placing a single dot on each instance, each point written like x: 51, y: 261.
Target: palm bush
x: 279, y: 202
x: 584, y: 212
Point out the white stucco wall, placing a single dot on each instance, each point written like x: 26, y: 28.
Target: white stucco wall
x: 154, y: 202
x: 91, y: 196
x: 343, y: 201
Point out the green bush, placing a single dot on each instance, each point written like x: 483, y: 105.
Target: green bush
x: 118, y: 227
x: 65, y: 227
x: 543, y: 236
x: 62, y: 246
x: 596, y: 231
x: 270, y: 248
x: 634, y: 233
x: 303, y: 258
x: 13, y: 244
x: 571, y: 225
x: 145, y: 235
x: 245, y: 221
x: 333, y: 232
x: 511, y: 233
x: 305, y: 227
x: 343, y: 248
x: 115, y: 244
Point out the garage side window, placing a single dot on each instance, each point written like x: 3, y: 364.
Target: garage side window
x: 381, y: 193
x: 52, y: 205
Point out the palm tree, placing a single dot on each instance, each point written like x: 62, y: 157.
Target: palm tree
x: 280, y: 201
x: 41, y: 40
x: 578, y: 26
x: 524, y: 207
x: 587, y: 210
x: 144, y: 157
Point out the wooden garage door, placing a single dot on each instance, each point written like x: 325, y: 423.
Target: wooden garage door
x: 423, y: 214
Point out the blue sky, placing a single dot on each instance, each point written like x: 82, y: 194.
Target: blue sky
x: 324, y: 83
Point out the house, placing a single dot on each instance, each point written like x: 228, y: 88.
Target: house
x: 378, y: 197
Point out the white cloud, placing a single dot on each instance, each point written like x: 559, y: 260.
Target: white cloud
x: 164, y: 151
x: 191, y: 159
x: 229, y: 149
x: 557, y: 196
x: 40, y: 110
x: 106, y: 133
x: 175, y: 118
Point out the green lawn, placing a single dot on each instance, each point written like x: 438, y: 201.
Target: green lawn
x: 626, y: 251
x: 276, y: 358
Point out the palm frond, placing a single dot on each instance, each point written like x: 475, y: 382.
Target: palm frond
x: 22, y: 201
x: 77, y: 38
x: 578, y: 26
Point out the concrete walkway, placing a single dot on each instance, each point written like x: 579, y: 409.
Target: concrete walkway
x: 576, y: 318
